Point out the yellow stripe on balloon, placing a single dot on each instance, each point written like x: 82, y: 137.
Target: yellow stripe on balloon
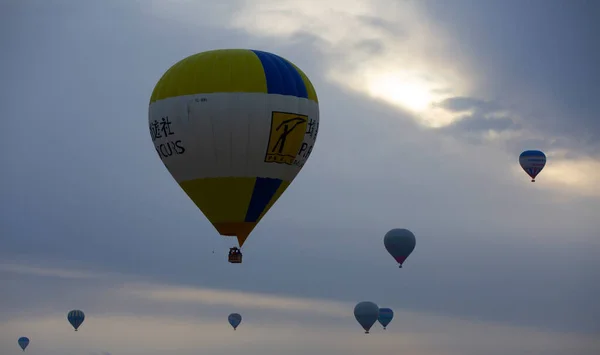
x: 223, y: 199
x: 230, y: 70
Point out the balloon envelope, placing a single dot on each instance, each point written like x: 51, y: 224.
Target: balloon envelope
x: 400, y: 243
x: 23, y: 342
x: 234, y: 127
x: 532, y: 161
x: 366, y: 313
x: 234, y: 319
x: 76, y: 318
x: 385, y: 316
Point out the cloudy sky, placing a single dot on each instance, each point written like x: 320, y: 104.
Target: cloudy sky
x: 425, y: 107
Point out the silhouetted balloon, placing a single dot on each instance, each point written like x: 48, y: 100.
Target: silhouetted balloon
x: 76, y: 317
x: 366, y: 313
x: 234, y: 319
x: 532, y: 161
x: 385, y: 316
x: 400, y: 243
x: 23, y: 342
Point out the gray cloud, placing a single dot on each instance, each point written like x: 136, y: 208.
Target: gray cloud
x: 495, y: 124
x: 387, y: 26
x: 372, y: 47
x: 537, y: 57
x: 480, y: 116
x: 461, y: 104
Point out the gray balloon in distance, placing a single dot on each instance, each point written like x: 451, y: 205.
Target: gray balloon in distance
x: 366, y: 313
x: 234, y: 319
x: 400, y: 243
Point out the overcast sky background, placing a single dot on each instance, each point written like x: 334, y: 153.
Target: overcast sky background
x: 425, y: 107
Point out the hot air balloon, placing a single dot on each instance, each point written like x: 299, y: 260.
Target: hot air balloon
x: 234, y: 319
x: 400, y: 243
x: 76, y: 317
x: 234, y: 127
x: 366, y: 313
x: 385, y: 316
x: 532, y: 161
x: 23, y: 342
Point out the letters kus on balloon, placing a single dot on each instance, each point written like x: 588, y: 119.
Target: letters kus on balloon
x: 162, y: 129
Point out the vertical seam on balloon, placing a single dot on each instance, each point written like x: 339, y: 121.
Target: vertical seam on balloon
x: 247, y: 118
x: 229, y: 84
x: 210, y: 119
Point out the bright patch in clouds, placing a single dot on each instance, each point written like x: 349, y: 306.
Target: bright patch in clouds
x: 386, y: 50
x: 403, y: 89
x: 579, y: 175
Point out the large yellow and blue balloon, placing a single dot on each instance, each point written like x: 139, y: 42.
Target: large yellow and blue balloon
x: 234, y: 127
x: 532, y: 161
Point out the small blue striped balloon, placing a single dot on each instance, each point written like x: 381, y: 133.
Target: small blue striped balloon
x: 533, y: 162
x: 76, y: 317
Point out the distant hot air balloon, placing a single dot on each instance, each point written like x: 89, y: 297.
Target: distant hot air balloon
x: 385, y: 316
x: 532, y: 161
x: 76, y: 317
x: 400, y: 243
x: 234, y: 319
x: 366, y: 313
x: 23, y: 342
x: 234, y: 127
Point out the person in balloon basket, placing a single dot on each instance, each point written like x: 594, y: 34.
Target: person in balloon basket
x: 235, y: 255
